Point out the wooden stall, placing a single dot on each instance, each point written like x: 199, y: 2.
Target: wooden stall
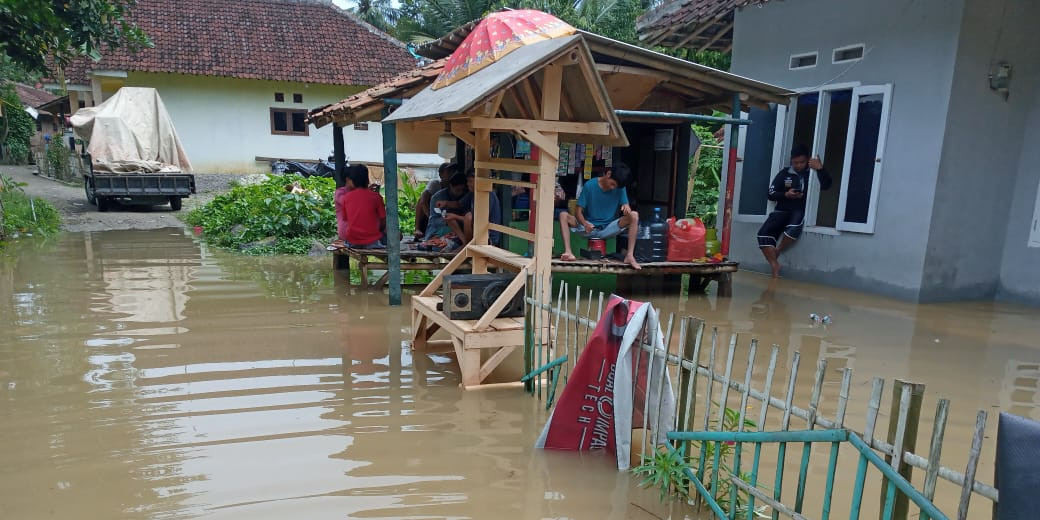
x: 543, y: 92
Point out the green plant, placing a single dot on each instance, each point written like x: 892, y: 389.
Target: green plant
x: 23, y: 214
x: 292, y: 209
x: 666, y: 470
x: 408, y: 194
x: 58, y: 160
x: 704, y: 201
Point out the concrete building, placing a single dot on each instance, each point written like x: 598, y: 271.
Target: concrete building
x: 238, y: 77
x: 926, y: 112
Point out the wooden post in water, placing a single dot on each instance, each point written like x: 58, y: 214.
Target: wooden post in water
x: 913, y: 418
x: 393, y: 222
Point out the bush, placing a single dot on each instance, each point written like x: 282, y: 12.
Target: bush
x: 271, y: 209
x: 295, y: 220
x: 58, y: 160
x: 25, y: 215
x: 19, y: 126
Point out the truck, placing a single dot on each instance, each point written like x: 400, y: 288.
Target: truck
x: 104, y: 187
x: 133, y: 152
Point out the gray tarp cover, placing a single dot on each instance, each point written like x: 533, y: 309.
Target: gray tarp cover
x: 130, y: 132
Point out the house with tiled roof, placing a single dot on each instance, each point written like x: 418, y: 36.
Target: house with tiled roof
x: 925, y: 112
x: 238, y: 76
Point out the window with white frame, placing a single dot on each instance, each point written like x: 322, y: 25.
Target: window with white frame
x: 845, y: 126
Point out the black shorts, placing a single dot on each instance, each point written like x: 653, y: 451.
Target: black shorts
x: 779, y: 223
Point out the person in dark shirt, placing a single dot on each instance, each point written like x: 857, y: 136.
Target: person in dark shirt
x: 784, y: 225
x: 444, y: 202
x: 422, y: 208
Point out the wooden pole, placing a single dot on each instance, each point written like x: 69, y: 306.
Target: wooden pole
x: 909, y: 443
x: 552, y: 84
x: 338, y: 153
x: 393, y: 223
x: 731, y: 177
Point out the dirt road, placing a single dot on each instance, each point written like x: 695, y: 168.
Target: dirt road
x: 79, y: 215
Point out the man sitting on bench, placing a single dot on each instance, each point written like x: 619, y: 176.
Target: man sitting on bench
x: 596, y: 216
x: 363, y: 214
x: 444, y: 202
x: 422, y: 208
x: 463, y: 224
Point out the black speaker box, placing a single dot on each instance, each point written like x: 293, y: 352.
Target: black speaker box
x: 468, y: 296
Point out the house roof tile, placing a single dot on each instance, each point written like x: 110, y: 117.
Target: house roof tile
x: 32, y: 96
x: 704, y: 24
x: 365, y: 105
x: 310, y: 41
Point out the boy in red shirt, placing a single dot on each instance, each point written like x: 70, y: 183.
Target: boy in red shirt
x: 360, y: 213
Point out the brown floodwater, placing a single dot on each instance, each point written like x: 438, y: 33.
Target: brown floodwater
x: 144, y: 375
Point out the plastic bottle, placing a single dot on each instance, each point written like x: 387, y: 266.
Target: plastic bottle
x: 644, y: 246
x: 658, y: 236
x: 711, y: 242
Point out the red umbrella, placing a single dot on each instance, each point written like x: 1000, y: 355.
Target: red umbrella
x: 497, y: 35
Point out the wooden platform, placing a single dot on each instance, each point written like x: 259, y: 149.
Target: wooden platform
x: 375, y: 259
x: 701, y: 273
x: 415, y: 260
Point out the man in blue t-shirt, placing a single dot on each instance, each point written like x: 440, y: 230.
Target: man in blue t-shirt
x: 596, y: 216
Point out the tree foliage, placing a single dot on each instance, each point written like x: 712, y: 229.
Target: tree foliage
x: 16, y: 126
x: 33, y: 30
x: 706, y: 174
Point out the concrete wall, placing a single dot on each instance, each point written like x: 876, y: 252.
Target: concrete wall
x: 913, y: 46
x: 224, y: 123
x: 982, y: 155
x: 1020, y: 264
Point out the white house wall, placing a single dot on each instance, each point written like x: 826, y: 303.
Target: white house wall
x: 913, y: 46
x: 973, y: 228
x: 224, y: 123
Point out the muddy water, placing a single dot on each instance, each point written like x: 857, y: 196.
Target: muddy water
x: 145, y: 376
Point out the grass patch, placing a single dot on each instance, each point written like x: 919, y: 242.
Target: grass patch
x: 24, y: 215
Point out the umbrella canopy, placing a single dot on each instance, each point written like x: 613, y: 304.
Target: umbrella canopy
x: 497, y: 35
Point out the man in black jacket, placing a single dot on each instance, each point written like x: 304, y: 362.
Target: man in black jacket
x: 784, y: 225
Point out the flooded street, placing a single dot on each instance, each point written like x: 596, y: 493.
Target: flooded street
x: 144, y: 375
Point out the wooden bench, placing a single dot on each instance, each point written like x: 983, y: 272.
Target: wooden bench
x: 375, y: 259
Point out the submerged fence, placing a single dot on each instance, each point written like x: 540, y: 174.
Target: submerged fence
x: 723, y: 420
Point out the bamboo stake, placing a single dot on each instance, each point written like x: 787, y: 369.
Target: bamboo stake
x: 832, y: 464
x: 814, y: 406
x: 740, y: 426
x: 942, y: 410
x: 662, y: 378
x: 897, y: 457
x: 901, y: 509
x: 861, y: 472
x: 723, y: 405
x: 766, y: 399
x: 707, y: 400
x: 785, y: 423
x: 577, y: 306
x: 973, y: 462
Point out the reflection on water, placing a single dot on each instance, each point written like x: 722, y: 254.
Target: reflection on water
x: 144, y: 376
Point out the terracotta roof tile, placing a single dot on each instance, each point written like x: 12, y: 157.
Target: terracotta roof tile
x: 351, y: 110
x: 310, y: 41
x: 32, y: 96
